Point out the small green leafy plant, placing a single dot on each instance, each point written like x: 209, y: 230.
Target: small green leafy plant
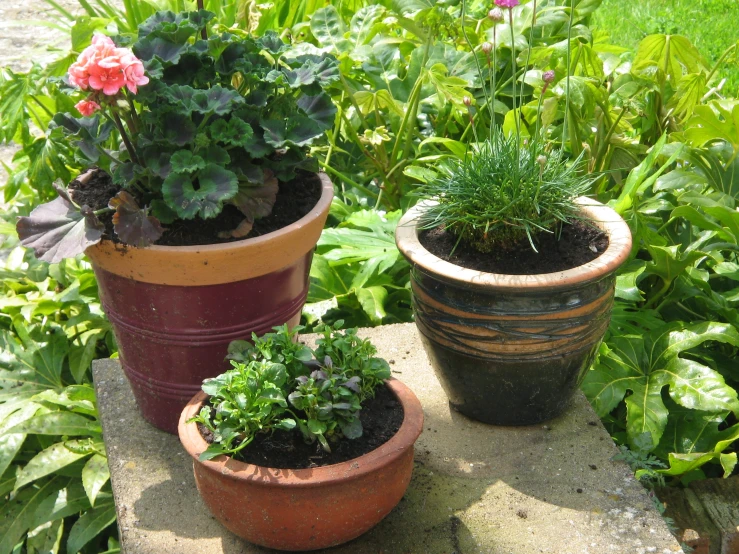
x: 279, y: 384
x: 190, y: 118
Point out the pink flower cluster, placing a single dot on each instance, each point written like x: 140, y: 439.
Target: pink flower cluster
x: 507, y: 3
x: 103, y: 67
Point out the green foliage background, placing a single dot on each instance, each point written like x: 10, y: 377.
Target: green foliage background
x: 665, y: 382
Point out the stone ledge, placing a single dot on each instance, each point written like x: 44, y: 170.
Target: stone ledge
x: 476, y: 488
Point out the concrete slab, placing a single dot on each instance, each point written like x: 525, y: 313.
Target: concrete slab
x: 476, y: 489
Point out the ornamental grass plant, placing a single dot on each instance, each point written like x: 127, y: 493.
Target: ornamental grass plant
x: 507, y: 189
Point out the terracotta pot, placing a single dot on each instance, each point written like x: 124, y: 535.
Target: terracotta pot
x: 175, y: 309
x: 306, y: 509
x: 512, y: 349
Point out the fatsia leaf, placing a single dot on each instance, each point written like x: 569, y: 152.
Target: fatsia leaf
x: 328, y: 28
x: 373, y: 300
x: 216, y: 185
x: 59, y: 229
x: 646, y: 413
x: 133, y: 224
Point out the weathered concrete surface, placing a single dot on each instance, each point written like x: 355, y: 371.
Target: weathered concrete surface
x: 476, y: 488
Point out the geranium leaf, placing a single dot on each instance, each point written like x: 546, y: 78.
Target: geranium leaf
x: 235, y: 132
x: 216, y: 185
x: 298, y: 130
x: 320, y: 109
x: 160, y: 48
x: 256, y: 201
x: 184, y: 161
x: 133, y: 224
x: 216, y: 100
x: 59, y: 229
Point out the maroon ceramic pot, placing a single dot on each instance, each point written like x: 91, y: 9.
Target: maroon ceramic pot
x: 174, y: 310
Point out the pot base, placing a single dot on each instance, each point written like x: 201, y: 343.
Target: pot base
x: 510, y: 393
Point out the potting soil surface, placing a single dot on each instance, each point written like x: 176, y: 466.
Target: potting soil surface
x: 576, y: 245
x: 381, y: 417
x: 295, y: 199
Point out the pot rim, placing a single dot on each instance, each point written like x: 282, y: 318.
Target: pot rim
x: 605, y: 218
x: 215, y: 264
x: 352, y: 469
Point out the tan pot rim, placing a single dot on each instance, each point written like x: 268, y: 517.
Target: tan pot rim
x: 619, y: 248
x: 406, y: 436
x: 216, y: 264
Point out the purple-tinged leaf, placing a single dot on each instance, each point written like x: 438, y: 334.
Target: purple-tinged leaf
x: 59, y: 229
x: 353, y: 384
x: 257, y: 200
x: 319, y: 375
x: 133, y: 224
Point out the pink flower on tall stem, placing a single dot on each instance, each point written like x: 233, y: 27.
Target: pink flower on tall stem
x: 87, y: 107
x: 507, y: 3
x: 103, y: 67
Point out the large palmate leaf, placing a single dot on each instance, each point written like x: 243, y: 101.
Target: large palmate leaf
x: 645, y: 365
x: 673, y: 54
x: 328, y: 28
x: 320, y: 109
x: 215, y: 186
x: 132, y: 224
x: 59, y: 229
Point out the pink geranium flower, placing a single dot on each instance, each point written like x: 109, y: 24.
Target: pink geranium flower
x: 507, y: 3
x: 87, y: 107
x: 102, y: 66
x: 133, y: 71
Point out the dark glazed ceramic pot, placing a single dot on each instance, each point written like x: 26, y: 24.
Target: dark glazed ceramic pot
x: 306, y: 509
x: 175, y: 309
x: 513, y: 349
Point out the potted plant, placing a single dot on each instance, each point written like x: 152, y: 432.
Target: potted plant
x: 202, y: 208
x: 298, y: 448
x: 513, y: 269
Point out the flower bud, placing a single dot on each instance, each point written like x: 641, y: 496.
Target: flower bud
x: 496, y: 15
x: 542, y: 160
x: 467, y: 101
x: 548, y: 76
x: 507, y: 3
x: 487, y: 47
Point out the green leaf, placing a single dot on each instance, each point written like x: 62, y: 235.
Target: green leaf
x: 90, y: 525
x: 298, y: 131
x: 94, y: 475
x: 57, y: 423
x: 674, y: 54
x: 373, y: 300
x: 16, y: 517
x: 626, y: 287
x: 320, y: 109
x: 216, y: 185
x: 646, y: 413
x: 235, y: 132
x: 696, y: 386
x: 63, y: 503
x: 50, y: 460
x: 184, y: 161
x: 328, y: 28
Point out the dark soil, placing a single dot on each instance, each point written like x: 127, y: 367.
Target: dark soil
x: 381, y: 418
x: 578, y: 244
x: 295, y: 199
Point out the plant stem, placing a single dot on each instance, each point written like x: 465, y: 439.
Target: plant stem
x: 203, y: 31
x: 474, y: 55
x: 513, y: 66
x: 569, y: 57
x: 126, y: 141
x: 528, y: 52
x: 720, y: 61
x: 493, y: 76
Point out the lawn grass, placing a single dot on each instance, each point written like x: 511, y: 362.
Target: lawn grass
x: 712, y: 25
